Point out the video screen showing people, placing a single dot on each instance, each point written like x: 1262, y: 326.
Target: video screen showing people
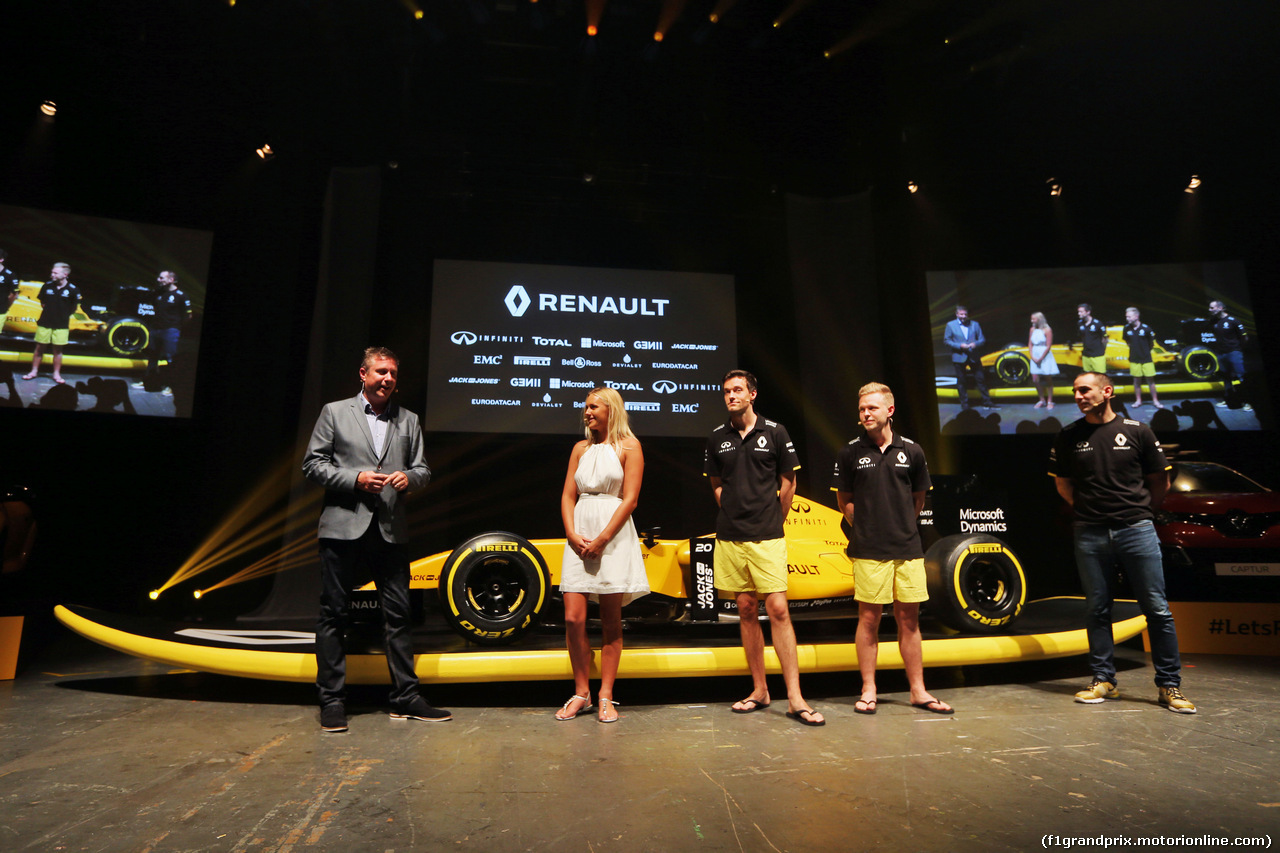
x: 99, y: 315
x: 517, y: 347
x: 1178, y: 341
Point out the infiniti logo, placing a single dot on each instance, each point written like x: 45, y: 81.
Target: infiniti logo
x: 664, y: 386
x: 517, y: 300
x: 464, y: 338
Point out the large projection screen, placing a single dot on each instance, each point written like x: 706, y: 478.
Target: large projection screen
x: 1195, y: 384
x: 515, y: 348
x: 131, y: 343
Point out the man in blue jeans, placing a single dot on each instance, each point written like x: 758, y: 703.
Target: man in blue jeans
x: 1113, y: 473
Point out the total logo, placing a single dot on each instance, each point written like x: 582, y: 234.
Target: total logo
x: 518, y: 302
x: 623, y: 386
x: 550, y: 342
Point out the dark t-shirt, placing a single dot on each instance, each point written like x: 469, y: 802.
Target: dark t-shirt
x: 1230, y: 333
x: 882, y: 484
x: 58, y: 301
x: 8, y: 285
x: 1094, y: 335
x: 1107, y: 465
x: 172, y: 307
x: 1139, y: 341
x: 749, y: 468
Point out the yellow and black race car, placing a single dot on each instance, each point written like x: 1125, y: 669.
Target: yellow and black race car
x: 1012, y: 365
x: 496, y: 586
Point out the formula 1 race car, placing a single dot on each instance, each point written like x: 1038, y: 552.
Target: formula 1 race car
x: 25, y: 312
x: 120, y: 325
x: 1012, y: 365
x: 496, y: 586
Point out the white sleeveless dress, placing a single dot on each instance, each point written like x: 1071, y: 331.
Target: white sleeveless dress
x: 1039, y: 343
x: 620, y: 568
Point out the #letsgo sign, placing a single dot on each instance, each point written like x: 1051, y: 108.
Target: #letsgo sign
x: 547, y: 335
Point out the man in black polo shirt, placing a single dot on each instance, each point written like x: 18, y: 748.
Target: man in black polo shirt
x: 880, y: 483
x: 1113, y: 473
x: 751, y: 465
x: 1139, y: 337
x: 1093, y: 334
x: 1231, y: 337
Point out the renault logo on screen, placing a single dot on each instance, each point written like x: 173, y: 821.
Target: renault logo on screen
x: 517, y: 300
x: 664, y: 386
x: 463, y: 338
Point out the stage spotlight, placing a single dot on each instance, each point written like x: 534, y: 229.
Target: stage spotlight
x: 1194, y: 185
x: 197, y: 593
x: 1055, y: 188
x: 912, y: 187
x: 266, y: 153
x: 49, y: 108
x: 154, y: 594
x: 592, y: 29
x: 657, y: 36
x: 713, y: 18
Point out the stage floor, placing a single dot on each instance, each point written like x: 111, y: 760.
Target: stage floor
x: 100, y: 751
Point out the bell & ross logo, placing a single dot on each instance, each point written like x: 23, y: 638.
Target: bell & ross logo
x: 664, y: 386
x: 517, y: 300
x: 463, y: 338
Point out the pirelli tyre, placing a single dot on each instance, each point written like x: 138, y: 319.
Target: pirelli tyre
x: 493, y: 587
x: 127, y: 336
x: 1198, y: 363
x: 976, y: 584
x: 1012, y: 368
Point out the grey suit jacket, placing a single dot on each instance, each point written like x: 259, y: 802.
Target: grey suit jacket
x: 341, y: 447
x: 954, y: 338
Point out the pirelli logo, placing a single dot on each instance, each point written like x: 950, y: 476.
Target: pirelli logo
x: 506, y: 546
x: 986, y: 548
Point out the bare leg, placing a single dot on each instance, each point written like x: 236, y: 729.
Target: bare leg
x: 35, y: 363
x: 610, y: 652
x: 867, y: 642
x: 909, y: 644
x: 1137, y: 391
x: 57, y: 365
x: 753, y: 646
x: 1155, y: 401
x: 575, y: 637
x: 784, y: 646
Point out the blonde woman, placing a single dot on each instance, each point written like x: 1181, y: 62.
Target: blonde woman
x: 1043, y: 365
x: 602, y: 559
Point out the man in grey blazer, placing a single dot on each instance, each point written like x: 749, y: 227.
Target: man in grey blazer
x: 367, y: 453
x: 963, y: 337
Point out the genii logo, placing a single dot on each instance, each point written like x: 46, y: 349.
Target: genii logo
x: 517, y: 300
x: 463, y: 338
x: 664, y: 386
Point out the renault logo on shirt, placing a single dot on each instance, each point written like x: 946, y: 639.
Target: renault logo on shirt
x: 762, y: 441
x: 902, y: 457
x: 1120, y: 440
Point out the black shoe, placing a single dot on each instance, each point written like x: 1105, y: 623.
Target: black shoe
x: 987, y: 404
x: 418, y: 709
x: 333, y: 718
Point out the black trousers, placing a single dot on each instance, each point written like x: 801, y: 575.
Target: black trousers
x: 388, y: 563
x: 979, y: 379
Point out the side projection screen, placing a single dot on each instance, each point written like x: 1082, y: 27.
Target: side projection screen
x: 1178, y: 341
x: 114, y: 307
x: 517, y: 347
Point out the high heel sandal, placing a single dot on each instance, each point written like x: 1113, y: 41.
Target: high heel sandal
x: 564, y: 709
x: 606, y: 705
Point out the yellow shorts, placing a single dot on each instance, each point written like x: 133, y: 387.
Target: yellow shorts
x: 887, y: 581
x: 57, y: 337
x: 1146, y: 368
x: 759, y: 567
x: 1093, y: 364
